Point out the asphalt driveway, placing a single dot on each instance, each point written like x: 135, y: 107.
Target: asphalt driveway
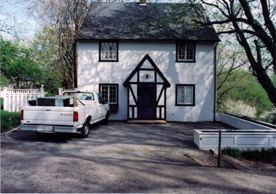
x: 121, y: 157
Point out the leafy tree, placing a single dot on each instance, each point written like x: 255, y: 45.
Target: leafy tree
x: 18, y: 66
x: 247, y: 90
x: 45, y: 47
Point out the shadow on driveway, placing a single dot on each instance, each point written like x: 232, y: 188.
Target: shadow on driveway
x: 122, y: 158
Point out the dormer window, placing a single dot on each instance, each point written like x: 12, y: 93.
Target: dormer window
x: 185, y: 51
x: 108, y: 51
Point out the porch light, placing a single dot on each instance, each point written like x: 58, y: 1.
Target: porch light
x: 147, y: 76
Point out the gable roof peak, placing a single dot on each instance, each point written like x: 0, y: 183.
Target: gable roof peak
x: 147, y: 57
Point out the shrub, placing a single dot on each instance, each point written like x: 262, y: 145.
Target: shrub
x: 267, y: 155
x: 239, y: 108
x: 269, y: 116
x: 264, y: 155
x: 236, y: 153
x: 9, y: 120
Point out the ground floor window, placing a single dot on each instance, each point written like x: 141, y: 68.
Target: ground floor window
x: 185, y: 95
x: 109, y: 93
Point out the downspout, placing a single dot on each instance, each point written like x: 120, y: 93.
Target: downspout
x: 215, y: 81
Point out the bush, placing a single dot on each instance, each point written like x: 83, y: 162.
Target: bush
x: 9, y: 120
x: 269, y: 116
x: 268, y: 155
x: 236, y: 153
x: 264, y: 155
x: 240, y: 108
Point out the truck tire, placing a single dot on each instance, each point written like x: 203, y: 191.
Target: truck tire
x: 85, y: 130
x: 105, y: 121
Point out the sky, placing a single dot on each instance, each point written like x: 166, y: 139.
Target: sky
x: 15, y: 13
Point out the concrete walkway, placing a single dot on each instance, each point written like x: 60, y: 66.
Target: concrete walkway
x: 121, y: 158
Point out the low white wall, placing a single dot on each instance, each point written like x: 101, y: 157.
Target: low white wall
x: 207, y: 139
x: 239, y: 123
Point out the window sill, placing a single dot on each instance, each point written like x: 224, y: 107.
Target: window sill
x: 177, y: 61
x: 184, y: 104
x: 108, y: 60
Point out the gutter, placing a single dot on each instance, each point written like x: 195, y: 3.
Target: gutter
x: 215, y: 82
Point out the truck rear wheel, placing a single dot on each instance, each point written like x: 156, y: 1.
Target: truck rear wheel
x: 85, y: 130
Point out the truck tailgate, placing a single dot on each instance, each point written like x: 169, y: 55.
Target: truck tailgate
x: 48, y: 115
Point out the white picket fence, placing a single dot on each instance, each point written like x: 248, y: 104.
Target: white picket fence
x: 15, y: 98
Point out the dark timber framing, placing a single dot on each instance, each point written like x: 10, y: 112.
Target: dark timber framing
x: 100, y: 48
x: 176, y: 104
x: 194, y: 54
x: 160, y: 109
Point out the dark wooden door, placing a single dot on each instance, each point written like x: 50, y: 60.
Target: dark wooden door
x: 146, y: 101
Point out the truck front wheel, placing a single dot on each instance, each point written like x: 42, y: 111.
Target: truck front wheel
x: 85, y: 130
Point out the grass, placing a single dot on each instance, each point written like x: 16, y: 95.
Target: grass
x: 263, y: 155
x: 9, y: 120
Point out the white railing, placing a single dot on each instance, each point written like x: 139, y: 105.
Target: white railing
x: 15, y: 98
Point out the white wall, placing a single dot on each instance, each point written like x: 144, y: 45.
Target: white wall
x: 239, y: 123
x: 91, y: 72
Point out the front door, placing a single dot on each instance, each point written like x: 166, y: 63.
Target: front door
x: 146, y: 101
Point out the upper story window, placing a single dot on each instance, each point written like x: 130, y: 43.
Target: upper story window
x: 185, y: 51
x: 108, y: 51
x: 185, y: 95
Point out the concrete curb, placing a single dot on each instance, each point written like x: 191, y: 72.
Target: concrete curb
x: 9, y: 131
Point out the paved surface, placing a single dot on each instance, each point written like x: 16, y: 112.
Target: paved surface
x: 121, y: 158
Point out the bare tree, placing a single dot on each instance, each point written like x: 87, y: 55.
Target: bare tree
x: 66, y: 17
x: 229, y: 60
x: 253, y: 24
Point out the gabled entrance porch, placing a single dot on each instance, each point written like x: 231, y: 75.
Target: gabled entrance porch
x: 146, y: 91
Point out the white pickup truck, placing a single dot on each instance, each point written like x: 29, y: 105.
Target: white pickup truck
x: 73, y: 112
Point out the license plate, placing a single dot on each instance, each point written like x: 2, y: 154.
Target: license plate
x: 43, y: 128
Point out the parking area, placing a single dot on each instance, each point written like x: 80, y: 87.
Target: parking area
x: 121, y: 157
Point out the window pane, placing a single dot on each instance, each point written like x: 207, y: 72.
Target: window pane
x: 108, y: 51
x: 185, y: 95
x: 188, y: 95
x: 104, y: 93
x: 109, y: 93
x: 180, y: 94
x: 185, y: 51
x: 112, y: 94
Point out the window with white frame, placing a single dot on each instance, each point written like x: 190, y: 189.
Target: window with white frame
x: 185, y: 52
x: 108, y: 51
x: 185, y: 95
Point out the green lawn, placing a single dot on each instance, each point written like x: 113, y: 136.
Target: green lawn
x: 9, y: 120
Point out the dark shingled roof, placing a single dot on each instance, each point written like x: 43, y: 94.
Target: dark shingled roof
x: 154, y: 21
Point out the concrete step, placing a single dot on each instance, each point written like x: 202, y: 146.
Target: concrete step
x: 147, y: 121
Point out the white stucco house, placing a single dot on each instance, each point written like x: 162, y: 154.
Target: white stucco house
x: 150, y: 62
